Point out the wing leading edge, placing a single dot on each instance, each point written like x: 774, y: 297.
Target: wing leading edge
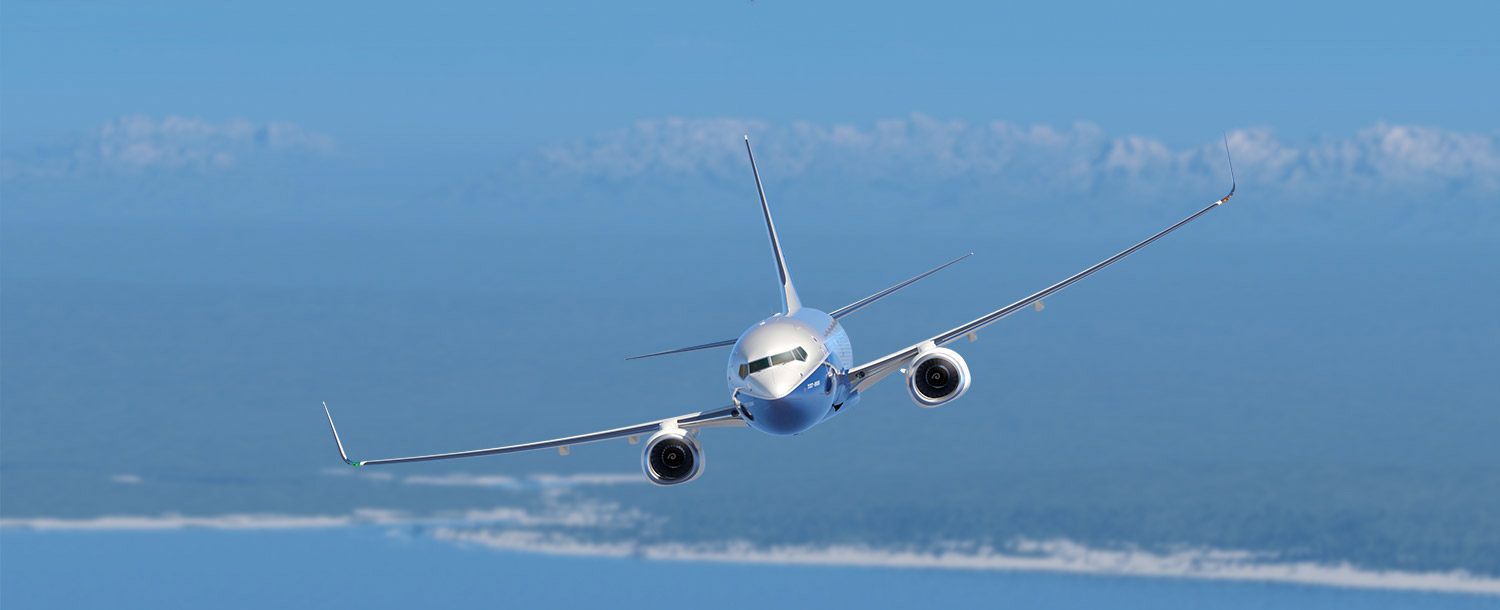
x: 727, y: 416
x: 868, y: 374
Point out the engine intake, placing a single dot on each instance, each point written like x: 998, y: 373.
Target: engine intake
x: 936, y: 376
x: 671, y: 457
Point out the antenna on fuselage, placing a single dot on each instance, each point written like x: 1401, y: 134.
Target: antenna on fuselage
x: 788, y: 292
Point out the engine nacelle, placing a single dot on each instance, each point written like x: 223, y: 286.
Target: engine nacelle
x: 936, y: 376
x: 672, y: 456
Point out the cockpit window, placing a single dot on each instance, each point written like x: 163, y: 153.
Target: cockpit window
x: 756, y: 366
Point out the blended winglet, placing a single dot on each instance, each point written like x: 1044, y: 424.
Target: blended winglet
x: 1232, y: 183
x: 336, y: 440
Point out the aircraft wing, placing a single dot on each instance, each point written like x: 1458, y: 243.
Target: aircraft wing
x: 726, y: 416
x: 864, y: 376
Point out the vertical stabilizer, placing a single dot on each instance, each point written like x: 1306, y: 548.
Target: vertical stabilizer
x: 788, y: 292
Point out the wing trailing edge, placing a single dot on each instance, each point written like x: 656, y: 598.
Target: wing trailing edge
x: 726, y: 416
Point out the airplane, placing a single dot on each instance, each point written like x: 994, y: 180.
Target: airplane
x: 795, y: 369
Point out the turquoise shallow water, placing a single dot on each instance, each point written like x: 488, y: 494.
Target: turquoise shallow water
x: 368, y: 567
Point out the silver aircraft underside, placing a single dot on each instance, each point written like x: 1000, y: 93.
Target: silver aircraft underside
x: 793, y: 370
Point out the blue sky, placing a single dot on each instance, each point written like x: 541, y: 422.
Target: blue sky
x: 1344, y: 115
x: 503, y: 77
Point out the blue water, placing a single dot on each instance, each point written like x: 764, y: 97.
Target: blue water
x: 370, y: 567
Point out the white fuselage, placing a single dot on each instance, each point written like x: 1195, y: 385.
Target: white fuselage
x: 788, y: 372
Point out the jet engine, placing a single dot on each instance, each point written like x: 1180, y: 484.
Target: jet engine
x: 936, y: 376
x: 672, y: 456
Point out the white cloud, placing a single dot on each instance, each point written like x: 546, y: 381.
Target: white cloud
x: 582, y: 514
x: 177, y: 522
x: 459, y: 479
x: 126, y: 479
x: 1072, y: 159
x: 607, y: 478
x: 1020, y: 555
x: 591, y: 528
x: 538, y: 481
x: 136, y: 144
x: 1384, y: 154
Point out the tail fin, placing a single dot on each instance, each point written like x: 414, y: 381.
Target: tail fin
x: 788, y: 292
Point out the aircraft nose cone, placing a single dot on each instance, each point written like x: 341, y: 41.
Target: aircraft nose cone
x: 773, y: 383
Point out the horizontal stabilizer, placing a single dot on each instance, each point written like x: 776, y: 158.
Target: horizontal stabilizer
x: 724, y: 343
x: 852, y: 307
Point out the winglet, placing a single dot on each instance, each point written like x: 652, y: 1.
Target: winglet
x: 336, y: 440
x: 788, y: 293
x: 1232, y: 183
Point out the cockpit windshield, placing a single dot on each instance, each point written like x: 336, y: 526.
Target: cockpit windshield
x: 757, y: 366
